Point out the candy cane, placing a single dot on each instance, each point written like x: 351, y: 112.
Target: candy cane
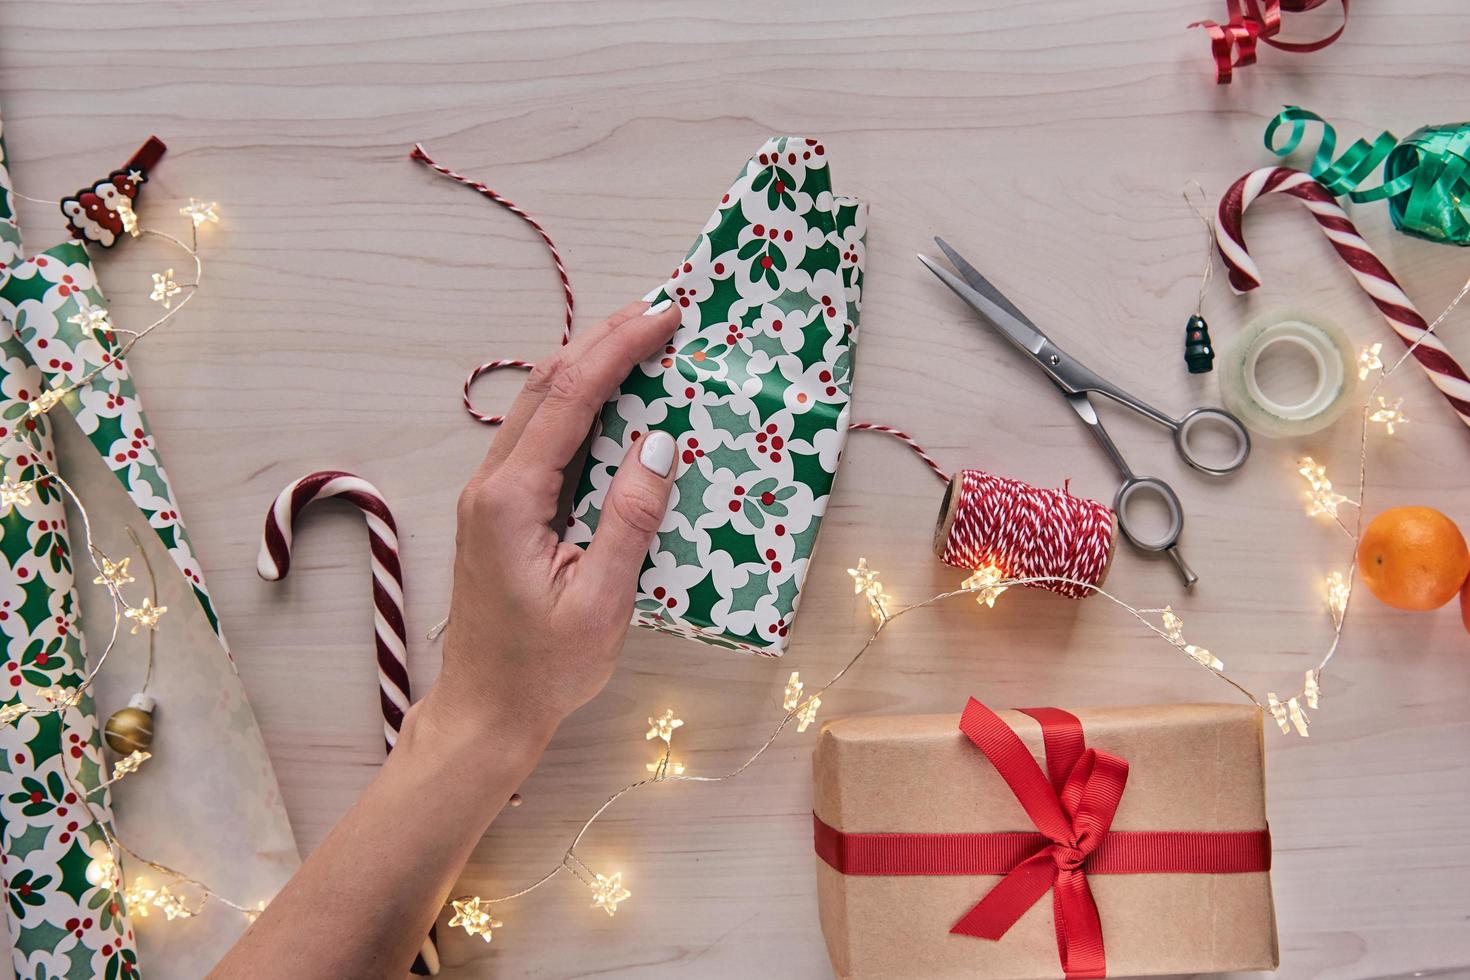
x: 1372, y: 275
x: 388, y: 629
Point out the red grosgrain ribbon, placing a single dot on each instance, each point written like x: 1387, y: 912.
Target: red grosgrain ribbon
x: 1233, y: 43
x: 1073, y: 809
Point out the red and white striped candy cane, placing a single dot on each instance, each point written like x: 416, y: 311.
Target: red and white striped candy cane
x: 1372, y: 275
x: 389, y: 633
x: 388, y: 628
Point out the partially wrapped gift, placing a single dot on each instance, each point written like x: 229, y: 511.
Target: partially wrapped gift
x: 1042, y: 843
x: 754, y: 388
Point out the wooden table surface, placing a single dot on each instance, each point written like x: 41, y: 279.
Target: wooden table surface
x: 349, y: 291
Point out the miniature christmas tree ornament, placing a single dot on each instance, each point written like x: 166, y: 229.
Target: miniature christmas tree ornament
x: 1199, y: 354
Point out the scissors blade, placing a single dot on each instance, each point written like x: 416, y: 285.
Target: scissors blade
x: 982, y: 285
x: 1015, y: 329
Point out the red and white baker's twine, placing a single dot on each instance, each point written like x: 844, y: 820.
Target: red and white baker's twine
x: 907, y: 440
x: 1372, y: 275
x: 1030, y: 533
x: 423, y: 157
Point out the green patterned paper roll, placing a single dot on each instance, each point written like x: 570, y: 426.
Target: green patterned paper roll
x: 754, y: 387
x: 63, y: 920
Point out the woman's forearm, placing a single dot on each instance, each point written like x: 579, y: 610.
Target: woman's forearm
x: 363, y: 902
x: 535, y: 628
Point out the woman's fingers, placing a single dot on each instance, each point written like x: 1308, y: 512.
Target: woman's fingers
x: 631, y: 514
x: 539, y: 383
x: 576, y: 391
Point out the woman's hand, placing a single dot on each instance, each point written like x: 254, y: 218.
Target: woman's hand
x: 535, y: 624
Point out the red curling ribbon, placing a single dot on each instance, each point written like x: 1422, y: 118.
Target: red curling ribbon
x: 1073, y: 809
x: 1233, y: 44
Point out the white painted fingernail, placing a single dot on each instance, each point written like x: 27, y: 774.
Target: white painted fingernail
x: 657, y: 454
x: 658, y: 307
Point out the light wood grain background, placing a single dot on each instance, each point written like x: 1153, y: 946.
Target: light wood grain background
x: 349, y: 291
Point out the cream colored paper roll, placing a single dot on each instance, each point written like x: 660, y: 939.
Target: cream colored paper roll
x: 1326, y: 349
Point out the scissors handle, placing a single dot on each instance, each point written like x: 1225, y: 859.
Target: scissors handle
x: 1167, y: 540
x: 1074, y: 377
x: 1133, y: 489
x: 1216, y: 418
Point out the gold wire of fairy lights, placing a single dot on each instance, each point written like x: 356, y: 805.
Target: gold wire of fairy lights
x: 473, y: 913
x: 986, y: 584
x: 105, y: 866
x: 1322, y: 500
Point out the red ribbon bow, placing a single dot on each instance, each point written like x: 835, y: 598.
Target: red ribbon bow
x: 1233, y: 44
x: 1073, y: 810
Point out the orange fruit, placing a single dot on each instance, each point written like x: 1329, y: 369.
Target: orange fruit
x: 1413, y: 558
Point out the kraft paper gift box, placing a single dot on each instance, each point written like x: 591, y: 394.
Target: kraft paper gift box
x: 754, y: 388
x: 917, y: 829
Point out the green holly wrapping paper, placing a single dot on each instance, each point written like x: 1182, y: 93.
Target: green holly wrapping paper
x: 40, y: 295
x: 63, y: 918
x: 754, y: 386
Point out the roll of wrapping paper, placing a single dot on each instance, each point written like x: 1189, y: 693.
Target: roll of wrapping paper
x: 1026, y: 532
x: 204, y: 834
x: 60, y: 922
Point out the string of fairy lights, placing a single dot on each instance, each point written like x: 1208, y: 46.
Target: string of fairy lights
x: 145, y: 616
x: 475, y: 914
x: 182, y: 896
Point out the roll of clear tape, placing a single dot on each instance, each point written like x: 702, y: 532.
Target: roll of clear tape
x: 1327, y: 350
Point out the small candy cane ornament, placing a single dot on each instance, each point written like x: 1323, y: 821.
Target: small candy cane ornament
x: 1372, y: 275
x: 389, y: 633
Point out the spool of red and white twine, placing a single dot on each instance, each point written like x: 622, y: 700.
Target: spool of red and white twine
x: 389, y: 634
x: 1372, y: 275
x: 1026, y: 532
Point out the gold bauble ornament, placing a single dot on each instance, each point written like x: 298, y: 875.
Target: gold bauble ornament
x: 130, y: 729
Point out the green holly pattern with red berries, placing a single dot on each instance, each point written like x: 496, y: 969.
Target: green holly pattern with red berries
x: 60, y: 924
x: 754, y: 386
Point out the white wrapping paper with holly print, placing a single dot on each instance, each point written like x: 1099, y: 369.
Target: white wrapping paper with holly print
x: 61, y: 920
x: 754, y: 386
x: 207, y: 802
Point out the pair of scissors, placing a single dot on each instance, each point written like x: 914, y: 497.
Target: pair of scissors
x: 1076, y: 383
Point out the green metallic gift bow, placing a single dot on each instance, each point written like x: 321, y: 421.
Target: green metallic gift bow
x: 1424, y: 176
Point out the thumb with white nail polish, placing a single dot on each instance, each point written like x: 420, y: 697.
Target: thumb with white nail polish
x: 632, y: 512
x: 657, y: 453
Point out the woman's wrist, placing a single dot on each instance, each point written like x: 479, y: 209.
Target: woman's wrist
x: 480, y: 736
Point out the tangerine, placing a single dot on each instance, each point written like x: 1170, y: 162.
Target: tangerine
x: 1413, y: 558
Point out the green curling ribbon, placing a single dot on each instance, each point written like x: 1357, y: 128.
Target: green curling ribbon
x: 1424, y: 176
